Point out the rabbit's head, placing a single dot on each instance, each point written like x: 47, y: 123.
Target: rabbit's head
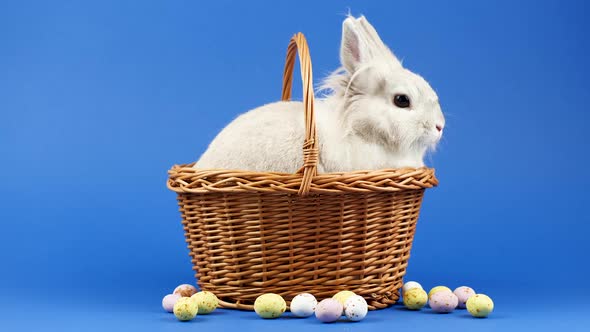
x: 380, y: 100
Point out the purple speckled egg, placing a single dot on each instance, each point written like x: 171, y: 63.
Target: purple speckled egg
x: 463, y: 293
x: 169, y: 301
x: 443, y: 301
x: 328, y: 310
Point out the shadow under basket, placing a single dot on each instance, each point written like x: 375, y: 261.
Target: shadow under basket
x: 251, y: 233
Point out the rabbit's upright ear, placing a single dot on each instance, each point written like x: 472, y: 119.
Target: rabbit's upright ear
x: 353, y: 50
x: 361, y: 43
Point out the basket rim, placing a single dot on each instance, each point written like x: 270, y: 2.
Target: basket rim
x: 184, y: 178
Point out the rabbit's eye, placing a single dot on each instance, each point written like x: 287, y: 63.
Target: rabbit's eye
x: 401, y: 101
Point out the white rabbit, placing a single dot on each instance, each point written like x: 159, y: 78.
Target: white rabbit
x: 377, y: 115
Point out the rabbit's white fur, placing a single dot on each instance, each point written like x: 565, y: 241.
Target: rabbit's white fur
x: 358, y: 125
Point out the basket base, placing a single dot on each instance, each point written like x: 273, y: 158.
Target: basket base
x: 245, y: 245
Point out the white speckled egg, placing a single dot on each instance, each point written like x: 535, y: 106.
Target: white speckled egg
x: 303, y: 305
x: 169, y: 301
x: 185, y: 290
x: 463, y: 294
x: 356, y: 308
x: 328, y: 310
x: 443, y: 301
x: 410, y: 285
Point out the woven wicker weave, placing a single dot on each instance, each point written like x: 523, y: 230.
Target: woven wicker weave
x: 251, y: 233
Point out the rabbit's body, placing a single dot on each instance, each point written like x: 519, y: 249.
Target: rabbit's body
x: 378, y: 115
x: 269, y: 139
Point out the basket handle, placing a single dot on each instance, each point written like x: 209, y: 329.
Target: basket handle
x: 310, y: 144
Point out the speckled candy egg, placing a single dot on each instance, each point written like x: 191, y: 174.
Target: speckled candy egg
x: 185, y: 309
x: 206, y: 301
x: 410, y: 285
x: 443, y: 301
x: 415, y: 298
x: 185, y: 290
x: 303, y: 305
x: 438, y: 289
x: 463, y: 294
x: 480, y: 305
x: 356, y: 308
x: 169, y: 301
x: 270, y: 305
x: 328, y: 310
x: 342, y: 296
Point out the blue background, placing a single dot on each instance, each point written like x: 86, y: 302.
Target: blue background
x: 99, y: 98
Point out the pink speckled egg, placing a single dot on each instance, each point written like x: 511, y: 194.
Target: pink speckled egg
x: 328, y: 310
x: 169, y: 301
x: 443, y: 301
x: 185, y: 290
x: 463, y: 293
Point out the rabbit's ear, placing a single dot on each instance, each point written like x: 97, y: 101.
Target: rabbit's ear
x: 361, y: 43
x: 374, y: 42
x: 352, y: 49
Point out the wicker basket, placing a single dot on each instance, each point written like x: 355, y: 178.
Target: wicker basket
x: 251, y: 233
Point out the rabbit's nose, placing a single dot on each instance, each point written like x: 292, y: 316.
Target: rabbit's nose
x: 439, y: 127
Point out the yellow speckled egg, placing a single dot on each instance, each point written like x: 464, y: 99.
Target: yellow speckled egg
x: 185, y: 290
x: 270, y: 305
x: 206, y: 301
x: 342, y: 296
x: 438, y: 289
x: 480, y: 305
x: 185, y: 309
x: 415, y: 298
